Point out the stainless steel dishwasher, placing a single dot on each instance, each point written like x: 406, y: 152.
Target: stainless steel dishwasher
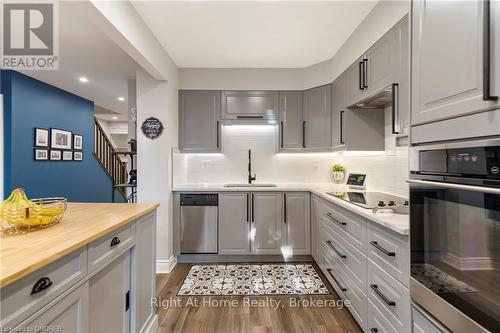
x: 199, y: 215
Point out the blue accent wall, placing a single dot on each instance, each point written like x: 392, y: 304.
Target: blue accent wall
x: 29, y: 103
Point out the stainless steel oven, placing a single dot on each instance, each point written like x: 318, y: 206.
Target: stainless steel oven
x: 455, y: 233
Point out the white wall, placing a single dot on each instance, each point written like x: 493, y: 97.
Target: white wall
x: 383, y: 16
x: 154, y: 166
x: 241, y: 78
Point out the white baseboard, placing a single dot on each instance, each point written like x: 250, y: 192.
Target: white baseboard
x: 165, y: 266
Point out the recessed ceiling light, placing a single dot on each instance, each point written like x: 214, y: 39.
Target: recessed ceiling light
x: 121, y: 99
x: 115, y: 117
x: 83, y: 79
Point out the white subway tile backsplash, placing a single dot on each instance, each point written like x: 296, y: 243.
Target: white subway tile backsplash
x: 386, y: 171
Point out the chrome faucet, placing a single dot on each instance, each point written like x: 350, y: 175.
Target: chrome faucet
x: 250, y: 178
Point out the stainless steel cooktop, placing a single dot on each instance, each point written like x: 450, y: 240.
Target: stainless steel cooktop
x: 370, y: 199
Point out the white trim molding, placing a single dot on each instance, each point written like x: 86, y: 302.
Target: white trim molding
x: 165, y: 266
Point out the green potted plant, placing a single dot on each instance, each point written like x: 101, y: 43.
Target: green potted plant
x: 338, y: 173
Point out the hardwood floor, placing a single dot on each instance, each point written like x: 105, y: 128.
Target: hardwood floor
x: 221, y: 314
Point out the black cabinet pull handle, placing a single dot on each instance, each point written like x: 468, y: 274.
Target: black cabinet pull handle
x: 395, y: 108
x: 115, y: 241
x: 284, y: 207
x: 374, y: 287
x: 334, y: 219
x: 487, y: 53
x: 343, y: 256
x: 249, y: 117
x: 253, y: 217
x: 342, y: 127
x: 365, y: 73
x: 373, y: 330
x: 248, y: 214
x: 303, y: 134
x: 41, y: 284
x: 329, y: 270
x: 218, y: 123
x: 381, y: 249
x: 361, y: 74
x: 281, y: 133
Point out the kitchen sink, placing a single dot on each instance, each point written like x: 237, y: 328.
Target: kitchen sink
x: 250, y: 185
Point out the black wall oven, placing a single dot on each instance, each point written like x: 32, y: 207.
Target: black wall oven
x: 455, y: 233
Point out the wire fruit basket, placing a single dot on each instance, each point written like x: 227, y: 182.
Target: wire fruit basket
x: 19, y: 214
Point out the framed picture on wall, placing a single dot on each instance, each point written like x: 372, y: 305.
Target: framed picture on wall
x: 67, y: 155
x: 41, y: 154
x: 41, y: 137
x: 55, y: 155
x: 77, y: 156
x: 77, y: 142
x: 60, y: 139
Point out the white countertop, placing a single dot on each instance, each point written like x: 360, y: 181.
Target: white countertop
x: 397, y: 222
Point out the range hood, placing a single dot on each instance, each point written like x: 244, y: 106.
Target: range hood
x: 388, y: 96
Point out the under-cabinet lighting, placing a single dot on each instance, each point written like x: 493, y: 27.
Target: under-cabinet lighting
x: 83, y: 79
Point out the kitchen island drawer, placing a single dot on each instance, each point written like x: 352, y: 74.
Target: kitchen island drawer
x: 26, y: 296
x: 352, y: 226
x: 349, y: 291
x: 390, y: 297
x: 105, y: 248
x: 354, y: 261
x: 390, y: 251
x: 377, y: 323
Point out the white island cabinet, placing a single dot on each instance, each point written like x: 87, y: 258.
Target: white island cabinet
x: 93, y: 272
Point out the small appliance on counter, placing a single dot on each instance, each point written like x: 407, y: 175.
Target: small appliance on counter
x: 356, y: 181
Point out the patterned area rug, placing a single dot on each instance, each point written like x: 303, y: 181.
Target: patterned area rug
x: 438, y: 281
x: 268, y: 279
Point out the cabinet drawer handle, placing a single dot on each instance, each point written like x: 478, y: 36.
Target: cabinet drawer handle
x: 361, y: 74
x: 41, y: 284
x: 248, y: 214
x: 281, y: 133
x: 365, y: 73
x: 303, y: 134
x: 373, y: 330
x: 343, y: 256
x: 249, y: 117
x: 285, y: 208
x: 381, y: 249
x: 115, y: 241
x: 218, y: 134
x: 395, y: 109
x: 374, y: 287
x: 334, y: 219
x: 342, y: 127
x: 329, y: 270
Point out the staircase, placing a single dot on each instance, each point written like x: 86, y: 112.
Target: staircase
x: 104, y: 153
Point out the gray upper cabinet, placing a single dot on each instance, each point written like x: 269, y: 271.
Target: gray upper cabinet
x: 296, y: 222
x: 243, y: 104
x: 291, y: 103
x: 379, y: 65
x: 111, y: 313
x: 338, y: 110
x: 402, y: 36
x: 317, y: 123
x: 266, y: 220
x: 354, y: 83
x: 234, y: 223
x: 447, y: 59
x: 199, y: 120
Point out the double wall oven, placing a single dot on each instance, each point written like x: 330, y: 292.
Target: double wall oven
x: 455, y: 233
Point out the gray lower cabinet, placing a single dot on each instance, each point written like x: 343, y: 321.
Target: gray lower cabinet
x: 248, y: 104
x: 70, y: 314
x: 144, y: 274
x: 421, y: 323
x: 315, y: 215
x: 296, y: 222
x: 291, y: 104
x: 111, y: 313
x: 449, y: 70
x: 199, y: 120
x: 267, y: 218
x: 317, y: 123
x: 234, y: 223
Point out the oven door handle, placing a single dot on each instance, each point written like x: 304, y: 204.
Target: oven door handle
x: 481, y: 189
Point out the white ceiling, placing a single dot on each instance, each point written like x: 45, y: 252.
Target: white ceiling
x: 84, y: 50
x: 265, y: 34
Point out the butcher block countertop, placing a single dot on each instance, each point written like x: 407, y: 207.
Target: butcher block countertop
x: 82, y: 223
